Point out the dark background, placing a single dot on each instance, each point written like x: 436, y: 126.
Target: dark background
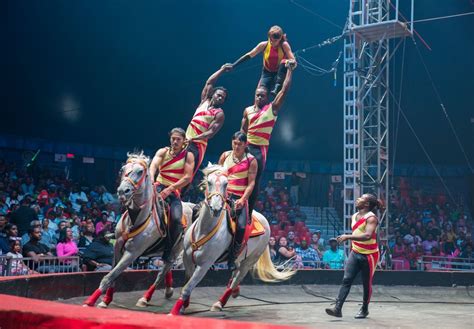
x: 123, y: 73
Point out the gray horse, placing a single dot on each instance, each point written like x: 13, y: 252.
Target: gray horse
x: 208, y: 237
x: 140, y: 228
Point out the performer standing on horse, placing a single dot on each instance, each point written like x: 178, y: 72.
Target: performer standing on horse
x: 242, y: 169
x: 258, y: 122
x: 208, y: 118
x: 175, y: 170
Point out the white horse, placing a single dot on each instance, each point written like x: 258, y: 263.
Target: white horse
x: 208, y: 238
x: 140, y: 228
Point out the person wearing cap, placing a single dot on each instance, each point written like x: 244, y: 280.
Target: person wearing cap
x: 307, y: 255
x: 333, y: 258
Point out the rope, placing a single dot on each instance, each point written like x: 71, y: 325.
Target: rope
x: 395, y: 139
x: 422, y: 147
x: 443, y: 17
x: 438, y: 96
x: 316, y: 14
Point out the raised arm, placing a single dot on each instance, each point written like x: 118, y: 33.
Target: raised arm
x: 280, y: 97
x: 212, y: 80
x: 287, y: 50
x: 214, y: 127
x: 156, y: 162
x: 251, y: 54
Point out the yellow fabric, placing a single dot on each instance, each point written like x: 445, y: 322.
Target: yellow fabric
x: 170, y: 172
x: 362, y: 247
x: 260, y: 125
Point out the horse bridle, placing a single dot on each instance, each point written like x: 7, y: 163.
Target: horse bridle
x: 210, y: 195
x: 136, y: 185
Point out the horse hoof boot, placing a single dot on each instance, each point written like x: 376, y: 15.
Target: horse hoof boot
x: 169, y: 292
x: 142, y: 302
x: 102, y: 305
x: 236, y: 292
x: 216, y: 307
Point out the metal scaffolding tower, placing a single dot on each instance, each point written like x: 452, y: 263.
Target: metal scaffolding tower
x: 371, y: 25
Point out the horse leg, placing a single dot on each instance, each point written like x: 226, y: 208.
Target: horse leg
x: 183, y: 301
x: 109, y: 293
x: 219, y: 305
x: 232, y: 288
x: 164, y: 273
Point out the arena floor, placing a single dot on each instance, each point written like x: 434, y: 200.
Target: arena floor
x: 394, y: 306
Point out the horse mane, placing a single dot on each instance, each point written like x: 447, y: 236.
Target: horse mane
x: 138, y: 155
x: 211, y: 168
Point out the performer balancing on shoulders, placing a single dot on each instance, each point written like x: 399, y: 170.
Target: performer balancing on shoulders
x: 364, y: 254
x: 258, y: 122
x: 241, y: 169
x: 208, y: 117
x: 174, y: 166
x: 276, y: 52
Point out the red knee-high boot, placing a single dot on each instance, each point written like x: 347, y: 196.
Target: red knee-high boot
x: 109, y: 295
x: 169, y: 279
x: 149, y: 293
x: 236, y: 292
x: 178, y: 307
x: 225, y: 297
x: 93, y: 298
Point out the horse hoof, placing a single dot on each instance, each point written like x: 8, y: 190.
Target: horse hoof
x: 102, y: 305
x: 86, y: 305
x: 181, y: 312
x: 216, y: 307
x: 169, y: 292
x: 142, y: 302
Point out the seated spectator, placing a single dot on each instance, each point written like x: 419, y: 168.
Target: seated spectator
x: 87, y: 236
x: 17, y: 266
x: 26, y: 237
x: 435, y: 231
x: 284, y: 253
x: 400, y: 255
x: 307, y: 256
x: 269, y: 189
x: 67, y: 248
x: 62, y: 225
x: 103, y: 224
x: 412, y: 239
x: 271, y: 246
x: 77, y: 198
x: 467, y: 253
x: 48, y: 236
x: 3, y: 222
x: 105, y: 197
x: 334, y: 257
x: 37, y: 251
x: 98, y: 256
x: 429, y: 243
x: 317, y: 243
x: 23, y: 216
x: 291, y: 240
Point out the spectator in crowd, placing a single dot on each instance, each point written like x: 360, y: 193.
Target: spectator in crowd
x: 17, y: 266
x: 4, y: 208
x: 3, y: 222
x: 26, y: 237
x: 334, y: 257
x: 399, y: 255
x: 104, y: 196
x: 317, y: 243
x: 291, y: 241
x: 284, y: 253
x: 23, y: 216
x: 434, y: 230
x: 66, y: 247
x: 269, y: 189
x: 412, y: 239
x: 37, y: 251
x: 77, y: 198
x: 13, y: 199
x: 99, y: 254
x: 307, y: 256
x: 467, y: 253
x: 429, y: 243
x: 28, y: 187
x: 87, y: 236
x: 103, y: 224
x: 272, y: 247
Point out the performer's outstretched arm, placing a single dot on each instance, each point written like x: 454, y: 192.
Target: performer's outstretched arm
x: 212, y: 80
x: 251, y: 54
x: 280, y: 97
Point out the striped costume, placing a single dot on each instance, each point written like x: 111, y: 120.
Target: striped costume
x: 199, y: 124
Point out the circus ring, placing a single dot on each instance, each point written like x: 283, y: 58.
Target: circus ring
x: 401, y: 299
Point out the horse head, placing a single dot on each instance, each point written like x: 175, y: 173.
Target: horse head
x: 133, y: 178
x: 215, y: 181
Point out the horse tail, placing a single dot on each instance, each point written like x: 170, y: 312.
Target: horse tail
x: 267, y: 272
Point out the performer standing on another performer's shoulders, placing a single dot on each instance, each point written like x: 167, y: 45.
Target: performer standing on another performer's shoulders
x: 364, y: 254
x: 276, y: 52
